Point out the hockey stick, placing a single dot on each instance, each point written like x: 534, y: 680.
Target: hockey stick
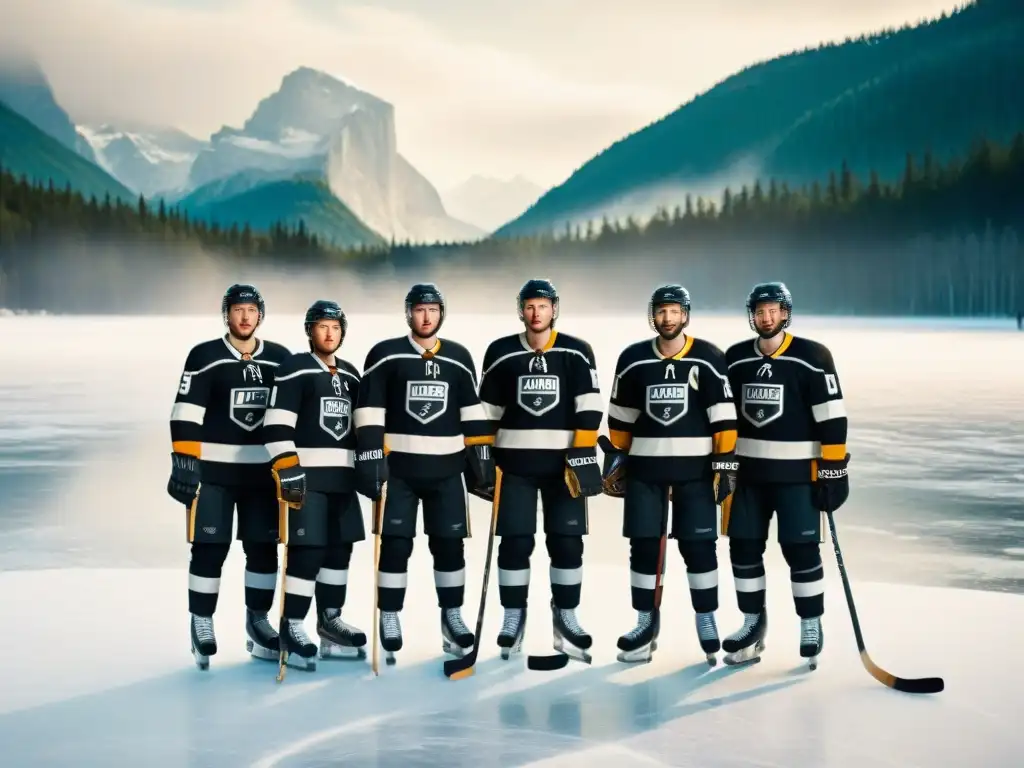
x: 378, y: 523
x: 458, y: 669
x: 904, y: 684
x: 282, y: 536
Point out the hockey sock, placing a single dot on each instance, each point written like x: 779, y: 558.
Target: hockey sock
x: 204, y: 577
x: 566, y: 553
x: 747, y: 556
x: 643, y: 562
x: 303, y: 564
x: 332, y: 580
x: 260, y: 574
x: 514, y: 554
x: 807, y: 578
x: 392, y: 572
x: 701, y: 560
x: 449, y: 570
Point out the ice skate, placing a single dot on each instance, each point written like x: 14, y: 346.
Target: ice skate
x: 390, y: 635
x: 513, y: 631
x: 639, y: 644
x: 570, y: 638
x: 204, y: 642
x: 456, y: 638
x: 812, y: 640
x: 261, y: 638
x: 297, y: 650
x: 339, y: 640
x: 746, y: 644
x: 707, y: 634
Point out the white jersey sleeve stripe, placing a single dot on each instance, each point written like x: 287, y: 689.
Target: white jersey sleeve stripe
x: 279, y: 417
x: 369, y: 417
x: 722, y: 412
x: 589, y: 401
x: 183, y: 411
x: 622, y: 413
x: 830, y: 409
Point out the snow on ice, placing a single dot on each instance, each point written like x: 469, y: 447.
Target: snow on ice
x: 100, y: 675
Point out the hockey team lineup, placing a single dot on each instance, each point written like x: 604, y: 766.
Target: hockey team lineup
x: 691, y: 441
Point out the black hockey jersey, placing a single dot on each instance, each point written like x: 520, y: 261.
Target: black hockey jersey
x: 671, y: 413
x: 310, y: 421
x: 219, y: 410
x: 542, y: 403
x: 791, y: 410
x: 421, y: 407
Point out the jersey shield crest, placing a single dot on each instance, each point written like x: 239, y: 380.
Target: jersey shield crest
x: 667, y: 403
x: 336, y: 416
x: 426, y: 400
x: 762, y: 403
x: 538, y: 394
x: 249, y: 406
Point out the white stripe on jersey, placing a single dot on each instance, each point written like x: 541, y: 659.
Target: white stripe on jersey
x: 777, y: 449
x: 326, y: 457
x: 370, y: 417
x: 221, y: 453
x: 188, y: 412
x: 722, y: 412
x: 279, y: 417
x: 622, y: 413
x: 665, y: 447
x: 280, y: 448
x: 534, y: 439
x: 830, y: 409
x: 473, y: 413
x: 590, y: 401
x: 425, y: 445
x: 493, y: 412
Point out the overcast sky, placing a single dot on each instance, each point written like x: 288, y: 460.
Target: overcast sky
x: 495, y: 87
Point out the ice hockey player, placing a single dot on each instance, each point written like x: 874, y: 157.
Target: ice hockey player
x: 540, y: 387
x: 311, y: 441
x: 792, y: 459
x: 672, y: 421
x: 418, y: 422
x: 215, y: 439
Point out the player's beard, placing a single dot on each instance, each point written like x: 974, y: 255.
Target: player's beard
x: 670, y: 336
x: 772, y: 332
x: 322, y: 350
x: 421, y: 335
x: 239, y: 335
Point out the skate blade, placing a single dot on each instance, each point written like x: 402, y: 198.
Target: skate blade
x: 712, y: 660
x: 202, y: 662
x: 570, y: 650
x: 330, y: 650
x: 295, y: 661
x: 454, y: 649
x: 259, y: 652
x: 812, y: 663
x: 643, y: 655
x: 389, y: 658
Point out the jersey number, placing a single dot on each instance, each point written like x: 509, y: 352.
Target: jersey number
x: 830, y: 384
x: 727, y: 388
x: 186, y: 383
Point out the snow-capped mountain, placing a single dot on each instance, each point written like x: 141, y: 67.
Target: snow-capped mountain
x: 149, y: 160
x: 488, y: 203
x: 315, y: 122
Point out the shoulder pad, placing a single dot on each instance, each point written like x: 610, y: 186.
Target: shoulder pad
x: 741, y: 350
x: 300, y: 361
x: 345, y: 365
x: 639, y: 350
x: 275, y: 352
x: 206, y: 352
x: 811, y: 352
x: 705, y: 350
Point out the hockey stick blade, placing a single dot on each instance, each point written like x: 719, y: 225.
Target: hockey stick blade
x: 459, y: 669
x: 547, y: 663
x: 922, y: 685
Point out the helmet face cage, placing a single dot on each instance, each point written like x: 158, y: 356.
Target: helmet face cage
x: 766, y: 292
x: 325, y: 310
x: 242, y: 293
x: 668, y: 294
x: 538, y: 289
x: 424, y: 293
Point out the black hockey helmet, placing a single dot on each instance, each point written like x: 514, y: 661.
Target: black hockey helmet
x: 424, y: 293
x: 325, y: 310
x: 770, y: 292
x: 538, y: 288
x: 242, y: 293
x: 672, y: 293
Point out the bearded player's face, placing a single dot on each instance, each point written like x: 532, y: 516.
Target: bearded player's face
x: 242, y: 321
x: 669, y: 320
x: 326, y: 336
x: 425, y: 319
x: 538, y: 314
x: 769, y: 317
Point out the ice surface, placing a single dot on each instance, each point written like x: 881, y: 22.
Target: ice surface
x: 106, y: 679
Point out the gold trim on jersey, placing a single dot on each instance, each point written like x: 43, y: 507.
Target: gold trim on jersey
x: 621, y: 440
x: 687, y: 346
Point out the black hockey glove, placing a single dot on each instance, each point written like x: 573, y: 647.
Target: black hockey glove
x: 582, y: 472
x: 184, y: 481
x: 291, y: 485
x: 480, y: 475
x: 832, y: 486
x: 371, y: 473
x: 613, y: 473
x: 725, y: 467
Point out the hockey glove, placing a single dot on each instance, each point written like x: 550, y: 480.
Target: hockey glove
x: 582, y: 472
x: 613, y: 473
x: 291, y: 485
x: 832, y: 486
x: 184, y: 481
x: 480, y: 475
x: 725, y: 467
x: 371, y: 473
